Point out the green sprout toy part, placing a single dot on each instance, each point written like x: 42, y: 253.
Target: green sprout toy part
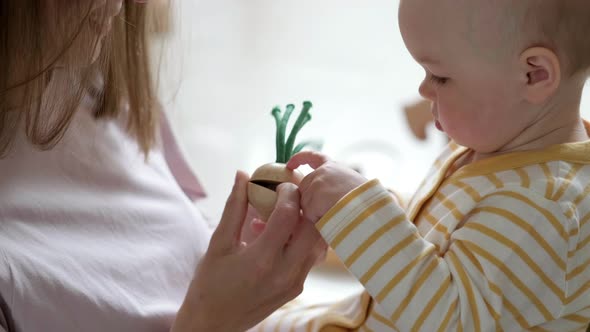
x: 263, y: 183
x: 284, y: 147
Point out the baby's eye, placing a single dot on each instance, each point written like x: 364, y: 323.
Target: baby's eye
x: 438, y: 80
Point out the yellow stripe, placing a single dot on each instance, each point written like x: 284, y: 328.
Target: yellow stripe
x: 569, y: 213
x: 438, y: 163
x: 573, y: 232
x: 525, y: 181
x: 459, y: 245
x: 437, y: 225
x: 578, y: 293
x: 495, y: 181
x: 444, y: 287
x: 382, y: 319
x: 402, y: 274
x: 460, y: 326
x: 344, y: 201
x: 414, y: 290
x: 418, y: 202
x: 567, y: 181
x: 445, y: 322
x: 571, y: 253
x: 430, y: 218
x: 359, y: 219
x: 582, y: 244
x: 512, y: 277
x: 578, y: 270
x: 577, y: 318
x: 559, y: 228
x: 550, y: 181
x: 492, y: 312
x: 449, y: 205
x: 373, y: 238
x: 493, y: 235
x: 583, y: 195
x: 387, y: 256
x: 366, y: 329
x: 475, y: 196
x: 466, y: 283
x: 517, y: 316
x: 453, y: 146
x: 528, y: 228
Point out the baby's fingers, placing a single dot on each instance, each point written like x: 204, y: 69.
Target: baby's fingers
x: 312, y: 158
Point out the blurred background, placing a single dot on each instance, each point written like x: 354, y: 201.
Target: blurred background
x: 225, y: 63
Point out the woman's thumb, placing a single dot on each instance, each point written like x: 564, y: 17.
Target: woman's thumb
x: 227, y: 235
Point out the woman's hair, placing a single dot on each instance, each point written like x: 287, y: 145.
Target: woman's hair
x: 126, y: 87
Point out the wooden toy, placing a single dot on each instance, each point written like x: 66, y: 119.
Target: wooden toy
x: 265, y: 180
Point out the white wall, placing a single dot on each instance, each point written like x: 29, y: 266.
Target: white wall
x: 233, y: 60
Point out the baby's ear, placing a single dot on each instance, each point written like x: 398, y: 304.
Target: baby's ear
x: 543, y: 74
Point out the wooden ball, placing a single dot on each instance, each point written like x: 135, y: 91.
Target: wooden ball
x: 262, y: 193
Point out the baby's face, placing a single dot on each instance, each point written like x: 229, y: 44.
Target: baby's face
x: 474, y: 88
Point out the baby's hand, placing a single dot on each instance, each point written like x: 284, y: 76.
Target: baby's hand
x: 324, y: 187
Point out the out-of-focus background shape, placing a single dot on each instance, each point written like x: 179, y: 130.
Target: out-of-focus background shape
x: 225, y: 63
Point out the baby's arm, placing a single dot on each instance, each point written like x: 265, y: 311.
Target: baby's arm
x: 506, y: 264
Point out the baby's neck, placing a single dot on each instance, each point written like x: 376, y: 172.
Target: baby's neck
x: 559, y: 123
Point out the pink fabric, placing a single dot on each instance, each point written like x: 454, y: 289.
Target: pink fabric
x: 178, y: 166
x: 94, y: 237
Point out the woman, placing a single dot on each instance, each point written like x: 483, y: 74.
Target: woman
x: 96, y: 234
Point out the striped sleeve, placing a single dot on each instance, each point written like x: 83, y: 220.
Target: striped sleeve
x: 506, y: 265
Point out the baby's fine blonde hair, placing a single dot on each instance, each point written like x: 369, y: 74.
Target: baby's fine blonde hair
x: 560, y: 25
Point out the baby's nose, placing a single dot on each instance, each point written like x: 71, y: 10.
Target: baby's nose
x: 426, y: 90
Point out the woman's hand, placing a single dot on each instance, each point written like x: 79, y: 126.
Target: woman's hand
x: 253, y: 226
x: 325, y: 186
x: 237, y: 285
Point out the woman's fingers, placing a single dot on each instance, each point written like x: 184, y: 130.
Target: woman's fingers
x: 227, y: 235
x: 257, y: 226
x: 303, y: 242
x: 312, y: 158
x: 282, y: 221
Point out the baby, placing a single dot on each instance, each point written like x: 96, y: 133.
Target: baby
x: 497, y: 238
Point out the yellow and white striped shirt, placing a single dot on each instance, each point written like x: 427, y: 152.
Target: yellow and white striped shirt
x: 502, y: 244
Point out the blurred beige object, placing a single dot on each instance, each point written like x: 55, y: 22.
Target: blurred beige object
x: 332, y: 260
x: 419, y: 117
x: 159, y: 14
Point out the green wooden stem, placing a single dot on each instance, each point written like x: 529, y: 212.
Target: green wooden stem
x: 303, y: 118
x: 276, y: 113
x: 282, y: 131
